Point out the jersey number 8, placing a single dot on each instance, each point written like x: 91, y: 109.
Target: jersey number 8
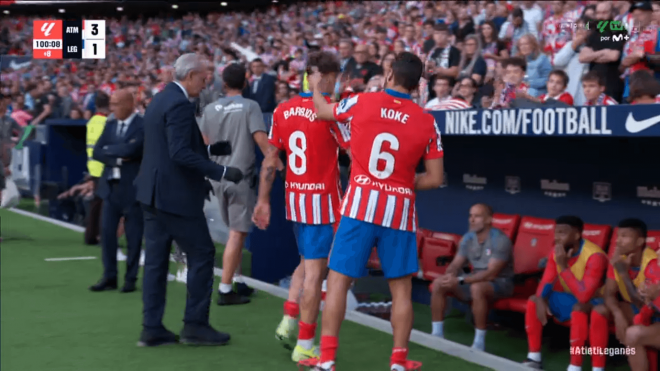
x: 297, y: 154
x: 377, y: 153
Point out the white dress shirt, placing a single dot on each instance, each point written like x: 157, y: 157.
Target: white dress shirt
x: 122, y: 128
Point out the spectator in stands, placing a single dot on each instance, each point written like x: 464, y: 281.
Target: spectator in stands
x: 631, y: 265
x: 556, y: 31
x: 642, y: 42
x: 466, y: 88
x: 538, y: 65
x: 573, y: 274
x: 465, y: 26
x: 442, y: 89
x: 594, y: 89
x: 347, y: 62
x: 261, y: 87
x: 282, y: 92
x: 489, y: 252
x: 514, y: 29
x: 643, y: 88
x: 493, y: 50
x: 533, y: 14
x: 472, y: 64
x: 19, y: 111
x: 364, y: 69
x: 603, y: 53
x: 556, y: 87
x: 568, y: 59
x: 445, y: 58
x: 514, y: 74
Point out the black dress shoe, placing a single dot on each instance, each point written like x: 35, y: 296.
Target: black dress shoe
x: 156, y: 337
x: 243, y: 289
x: 203, y: 335
x: 128, y: 287
x: 104, y: 284
x: 232, y: 298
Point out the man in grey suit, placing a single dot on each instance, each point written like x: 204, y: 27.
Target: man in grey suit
x: 171, y: 187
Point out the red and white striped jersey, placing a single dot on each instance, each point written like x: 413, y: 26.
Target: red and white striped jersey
x: 602, y: 100
x: 313, y: 192
x: 563, y: 97
x: 389, y: 134
x: 450, y: 104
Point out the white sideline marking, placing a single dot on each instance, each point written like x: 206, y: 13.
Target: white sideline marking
x: 418, y: 337
x: 67, y: 259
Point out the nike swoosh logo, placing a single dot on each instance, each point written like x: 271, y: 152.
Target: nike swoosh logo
x: 634, y: 126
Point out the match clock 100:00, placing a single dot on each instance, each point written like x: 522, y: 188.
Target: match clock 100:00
x: 47, y: 44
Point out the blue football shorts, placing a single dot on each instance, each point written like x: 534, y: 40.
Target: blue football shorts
x: 561, y: 304
x: 354, y: 241
x: 314, y: 240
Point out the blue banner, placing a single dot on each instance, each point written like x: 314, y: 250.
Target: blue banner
x: 604, y: 121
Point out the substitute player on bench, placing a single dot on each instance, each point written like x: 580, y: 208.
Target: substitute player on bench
x: 389, y: 136
x: 631, y: 264
x: 645, y: 333
x: 312, y: 192
x: 572, y: 276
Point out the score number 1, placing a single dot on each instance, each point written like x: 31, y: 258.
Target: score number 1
x: 94, y: 39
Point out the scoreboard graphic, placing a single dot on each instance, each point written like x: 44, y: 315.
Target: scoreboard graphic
x: 68, y: 39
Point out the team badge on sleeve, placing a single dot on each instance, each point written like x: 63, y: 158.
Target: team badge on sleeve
x: 346, y: 104
x: 439, y: 138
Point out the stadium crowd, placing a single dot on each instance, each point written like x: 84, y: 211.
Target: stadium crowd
x: 480, y: 54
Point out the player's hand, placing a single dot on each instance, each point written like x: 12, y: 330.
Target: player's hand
x: 620, y: 327
x: 620, y: 262
x: 561, y: 256
x: 233, y: 174
x: 261, y: 215
x: 542, y: 311
x: 220, y: 149
x: 314, y: 79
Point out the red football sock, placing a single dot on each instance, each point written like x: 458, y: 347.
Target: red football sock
x: 291, y: 309
x: 579, y: 334
x: 534, y: 328
x: 306, y: 331
x: 599, y: 333
x: 399, y: 356
x: 329, y: 346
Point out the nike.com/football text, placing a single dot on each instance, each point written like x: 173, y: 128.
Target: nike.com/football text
x: 589, y: 351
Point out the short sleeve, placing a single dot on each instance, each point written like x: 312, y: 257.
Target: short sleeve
x: 274, y: 136
x: 256, y: 119
x: 463, y: 247
x: 342, y: 134
x: 434, y: 149
x: 345, y: 109
x: 502, y: 248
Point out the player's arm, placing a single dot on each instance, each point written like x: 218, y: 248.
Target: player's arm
x: 501, y: 257
x: 609, y: 294
x: 324, y: 110
x: 433, y: 162
x: 635, y: 297
x: 267, y: 175
x: 549, y: 278
x: 459, y: 260
x: 585, y: 289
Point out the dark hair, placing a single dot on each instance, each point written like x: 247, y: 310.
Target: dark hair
x: 325, y: 62
x: 102, y: 100
x: 516, y: 62
x: 441, y: 27
x: 517, y: 13
x: 259, y: 60
x: 234, y: 76
x: 472, y: 81
x: 487, y: 208
x: 593, y: 76
x: 633, y: 223
x: 449, y: 79
x: 429, y: 22
x: 572, y: 221
x: 407, y: 69
x: 562, y: 75
x: 642, y: 84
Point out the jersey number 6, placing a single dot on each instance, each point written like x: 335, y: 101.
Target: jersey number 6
x: 297, y: 154
x: 377, y: 153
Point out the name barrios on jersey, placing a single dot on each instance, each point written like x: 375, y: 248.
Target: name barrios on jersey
x: 390, y: 114
x: 300, y: 112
